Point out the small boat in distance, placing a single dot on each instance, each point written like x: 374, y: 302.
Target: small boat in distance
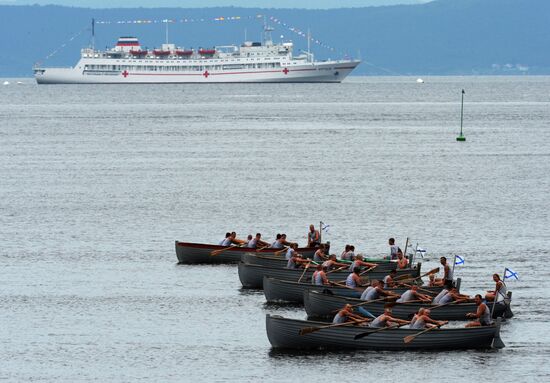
x: 251, y: 62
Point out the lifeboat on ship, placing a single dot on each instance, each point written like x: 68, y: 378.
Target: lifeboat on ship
x: 184, y: 53
x: 207, y: 52
x: 138, y: 53
x: 161, y: 53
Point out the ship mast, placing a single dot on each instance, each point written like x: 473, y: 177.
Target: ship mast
x: 268, y: 41
x: 309, y: 45
x: 93, y: 34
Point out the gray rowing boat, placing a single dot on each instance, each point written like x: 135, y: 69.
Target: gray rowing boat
x: 284, y: 333
x: 273, y: 261
x: 277, y: 290
x: 251, y: 275
x: 319, y: 305
x: 194, y: 253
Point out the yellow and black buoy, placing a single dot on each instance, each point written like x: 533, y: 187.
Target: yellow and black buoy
x: 461, y: 136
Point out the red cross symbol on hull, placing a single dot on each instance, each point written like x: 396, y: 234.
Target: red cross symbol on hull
x: 285, y: 71
x: 206, y: 74
x: 125, y: 73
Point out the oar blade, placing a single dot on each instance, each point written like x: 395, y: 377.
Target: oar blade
x: 307, y: 330
x: 409, y: 338
x: 362, y: 335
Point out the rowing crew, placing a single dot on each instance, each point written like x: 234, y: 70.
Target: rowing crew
x: 254, y: 242
x: 420, y: 320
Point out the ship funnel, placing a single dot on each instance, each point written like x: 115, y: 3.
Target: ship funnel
x: 127, y: 44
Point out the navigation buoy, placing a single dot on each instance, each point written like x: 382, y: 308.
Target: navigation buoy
x: 6, y: 83
x: 420, y: 81
x: 461, y: 137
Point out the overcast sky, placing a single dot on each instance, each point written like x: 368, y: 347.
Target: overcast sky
x: 214, y: 3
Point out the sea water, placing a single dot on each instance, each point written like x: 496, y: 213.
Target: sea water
x: 97, y: 181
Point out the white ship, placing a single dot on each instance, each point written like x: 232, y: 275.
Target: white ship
x: 128, y: 63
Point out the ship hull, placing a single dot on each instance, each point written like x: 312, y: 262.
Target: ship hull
x: 325, y: 72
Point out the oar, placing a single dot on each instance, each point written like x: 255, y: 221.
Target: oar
x: 309, y: 330
x: 263, y: 247
x: 410, y: 338
x: 448, y: 303
x: 216, y: 252
x: 403, y: 277
x: 432, y: 271
x: 281, y: 251
x: 367, y: 270
x: 391, y: 304
x: 346, y: 286
x: 305, y: 269
x: 367, y: 333
x: 419, y: 288
x: 371, y: 301
x: 339, y: 269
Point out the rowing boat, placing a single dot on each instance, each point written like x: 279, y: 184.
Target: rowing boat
x: 277, y: 290
x: 274, y: 261
x: 251, y: 275
x: 193, y: 253
x: 319, y: 305
x: 283, y: 333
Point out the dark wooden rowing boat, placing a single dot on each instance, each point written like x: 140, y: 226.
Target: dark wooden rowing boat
x: 277, y: 290
x: 280, y: 261
x: 283, y: 333
x: 193, y: 253
x: 319, y: 305
x: 251, y: 275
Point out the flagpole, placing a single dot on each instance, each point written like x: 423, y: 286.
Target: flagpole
x: 414, y: 254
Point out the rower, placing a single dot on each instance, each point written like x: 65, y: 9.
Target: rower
x: 483, y: 314
x: 413, y: 294
x: 345, y: 314
x: 233, y: 240
x: 291, y: 251
x: 386, y: 319
x: 331, y: 263
x: 453, y: 295
x: 499, y: 292
x: 351, y: 253
x: 319, y: 277
x: 296, y: 261
x: 277, y: 244
x: 422, y: 320
x: 438, y: 297
x: 284, y: 241
x: 226, y: 241
x: 320, y: 255
x: 393, y: 248
x: 376, y: 292
x: 402, y: 262
x: 360, y: 263
x: 313, y: 237
x: 354, y: 280
x: 257, y: 241
x: 388, y: 279
x: 344, y: 255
